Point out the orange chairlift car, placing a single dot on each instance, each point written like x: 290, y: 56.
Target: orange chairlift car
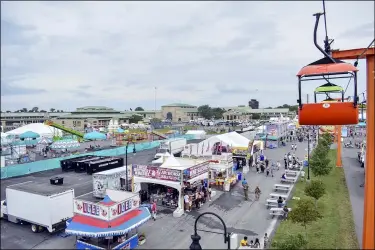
x: 327, y: 69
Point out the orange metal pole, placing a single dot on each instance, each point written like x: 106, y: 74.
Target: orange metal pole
x: 338, y: 151
x: 368, y: 218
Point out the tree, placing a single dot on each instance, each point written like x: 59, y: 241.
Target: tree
x: 326, y: 139
x: 43, y: 111
x: 8, y: 111
x: 24, y: 110
x: 315, y: 189
x: 319, y: 162
x: 291, y: 242
x: 155, y: 120
x: 139, y: 109
x: 35, y: 109
x: 135, y: 119
x: 305, y: 213
x: 255, y: 116
x: 52, y: 110
x: 205, y: 111
x: 217, y: 113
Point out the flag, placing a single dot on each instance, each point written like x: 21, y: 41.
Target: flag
x: 208, y: 147
x: 202, y: 148
x: 191, y: 149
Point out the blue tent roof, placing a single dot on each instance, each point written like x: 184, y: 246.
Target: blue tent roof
x: 95, y: 136
x: 29, y: 134
x: 120, y: 130
x: 25, y: 142
x: 90, y: 227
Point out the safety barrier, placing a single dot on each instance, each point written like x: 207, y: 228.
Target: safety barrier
x: 38, y: 166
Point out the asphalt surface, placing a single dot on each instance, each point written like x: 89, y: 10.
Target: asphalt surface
x: 249, y: 218
x: 354, y: 176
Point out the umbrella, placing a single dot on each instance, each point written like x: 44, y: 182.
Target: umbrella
x: 25, y: 142
x: 120, y: 130
x: 94, y: 136
x: 29, y: 134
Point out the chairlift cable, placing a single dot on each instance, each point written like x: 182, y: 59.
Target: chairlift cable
x: 325, y: 19
x: 347, y: 85
x: 358, y: 57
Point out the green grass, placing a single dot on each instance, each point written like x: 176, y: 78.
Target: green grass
x: 336, y: 229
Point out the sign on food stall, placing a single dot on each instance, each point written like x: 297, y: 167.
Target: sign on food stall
x: 123, y: 207
x: 152, y: 172
x: 197, y: 170
x: 272, y: 129
x: 91, y: 209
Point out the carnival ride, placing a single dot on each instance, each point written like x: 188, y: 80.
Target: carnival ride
x: 65, y: 129
x: 344, y: 113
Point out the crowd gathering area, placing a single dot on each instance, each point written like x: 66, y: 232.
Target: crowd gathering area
x: 263, y: 170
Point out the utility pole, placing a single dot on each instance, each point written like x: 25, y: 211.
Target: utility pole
x: 155, y: 102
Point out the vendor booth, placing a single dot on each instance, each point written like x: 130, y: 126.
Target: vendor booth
x: 109, y: 224
x: 165, y: 184
x: 221, y: 173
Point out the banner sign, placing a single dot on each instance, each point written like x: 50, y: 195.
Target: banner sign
x: 152, y: 172
x: 91, y: 209
x: 272, y: 129
x: 196, y: 170
x: 122, y: 207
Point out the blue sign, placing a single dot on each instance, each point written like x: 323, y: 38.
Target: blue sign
x: 131, y: 243
x: 84, y: 245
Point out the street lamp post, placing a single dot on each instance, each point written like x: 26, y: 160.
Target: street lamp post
x: 126, y: 163
x: 195, y: 237
x: 308, y: 155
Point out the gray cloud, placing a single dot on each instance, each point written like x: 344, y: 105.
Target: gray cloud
x: 364, y: 30
x: 115, y: 53
x: 8, y: 90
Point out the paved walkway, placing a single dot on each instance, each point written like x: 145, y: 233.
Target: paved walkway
x: 354, y: 176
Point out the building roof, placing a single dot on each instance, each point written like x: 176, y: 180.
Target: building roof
x: 32, y: 114
x: 179, y: 105
x: 94, y: 115
x: 245, y: 109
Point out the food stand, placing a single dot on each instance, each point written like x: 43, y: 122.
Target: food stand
x: 169, y: 179
x: 221, y: 171
x: 109, y: 224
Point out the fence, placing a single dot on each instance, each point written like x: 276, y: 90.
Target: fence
x: 38, y: 166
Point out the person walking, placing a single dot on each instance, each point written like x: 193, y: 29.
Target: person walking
x: 245, y: 189
x: 153, y: 210
x: 257, y: 193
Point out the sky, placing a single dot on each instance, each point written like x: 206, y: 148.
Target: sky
x: 65, y: 55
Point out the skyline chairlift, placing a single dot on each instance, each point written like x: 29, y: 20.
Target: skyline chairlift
x: 327, y: 69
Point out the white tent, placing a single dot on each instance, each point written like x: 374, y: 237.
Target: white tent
x: 40, y: 128
x: 205, y: 148
x: 198, y: 134
x: 171, y: 161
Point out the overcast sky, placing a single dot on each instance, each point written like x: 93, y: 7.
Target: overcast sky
x: 70, y: 54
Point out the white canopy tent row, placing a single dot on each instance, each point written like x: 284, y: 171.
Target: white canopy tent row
x: 198, y: 134
x: 39, y: 128
x: 208, y: 146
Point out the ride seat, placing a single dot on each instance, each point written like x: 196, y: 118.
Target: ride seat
x: 333, y: 113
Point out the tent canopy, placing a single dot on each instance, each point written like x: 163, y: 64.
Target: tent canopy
x: 29, y: 134
x: 95, y: 136
x: 62, y: 144
x: 196, y: 132
x: 328, y: 87
x: 232, y: 139
x: 40, y: 128
x: 171, y: 162
x: 92, y: 227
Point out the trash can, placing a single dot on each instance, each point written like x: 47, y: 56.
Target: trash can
x: 239, y: 176
x: 56, y: 180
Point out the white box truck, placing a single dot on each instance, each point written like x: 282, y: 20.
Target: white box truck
x: 112, y: 179
x: 43, y: 205
x: 172, y: 146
